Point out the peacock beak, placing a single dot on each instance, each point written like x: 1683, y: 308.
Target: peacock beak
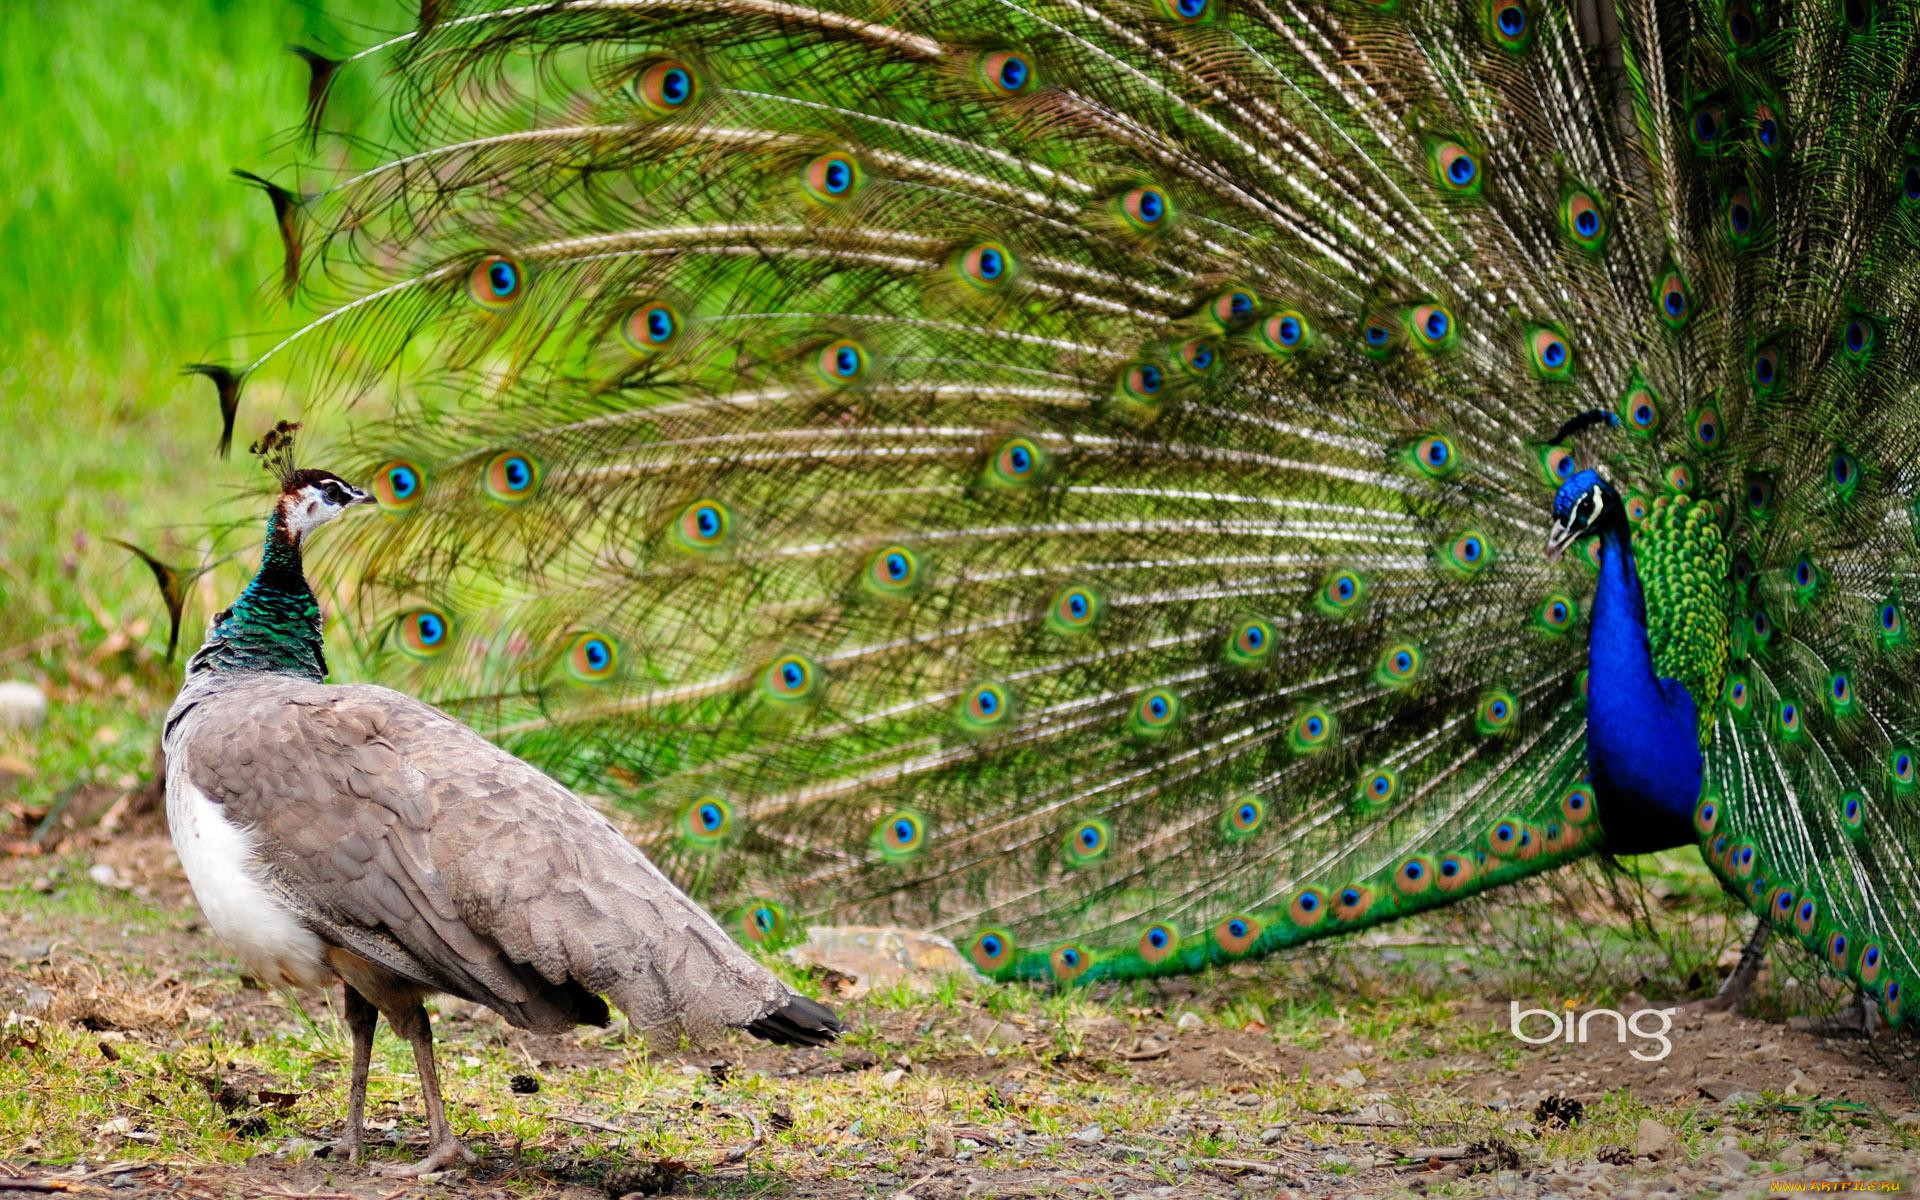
x: 1558, y: 539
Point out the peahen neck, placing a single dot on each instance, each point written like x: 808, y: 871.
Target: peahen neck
x: 275, y: 624
x: 1643, y: 747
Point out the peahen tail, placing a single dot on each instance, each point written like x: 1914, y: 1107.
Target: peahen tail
x: 1072, y: 473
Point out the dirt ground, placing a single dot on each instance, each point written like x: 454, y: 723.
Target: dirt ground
x: 1203, y: 1089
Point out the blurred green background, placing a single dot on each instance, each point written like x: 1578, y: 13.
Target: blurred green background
x: 130, y: 250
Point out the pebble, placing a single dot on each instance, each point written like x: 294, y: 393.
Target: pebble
x: 22, y: 705
x: 1271, y: 1134
x: 1190, y: 1020
x: 1090, y: 1134
x: 1654, y: 1140
x: 1735, y: 1160
x: 1351, y: 1077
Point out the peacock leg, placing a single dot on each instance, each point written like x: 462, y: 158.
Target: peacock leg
x: 361, y: 1017
x: 443, y: 1149
x: 1738, y: 984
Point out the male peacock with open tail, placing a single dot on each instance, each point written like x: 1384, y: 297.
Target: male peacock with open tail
x: 1070, y: 473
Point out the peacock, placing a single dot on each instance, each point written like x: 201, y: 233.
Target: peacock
x: 1072, y: 474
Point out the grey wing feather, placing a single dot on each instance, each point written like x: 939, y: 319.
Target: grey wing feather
x: 405, y: 837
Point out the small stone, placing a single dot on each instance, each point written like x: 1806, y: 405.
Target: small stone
x: 37, y: 1000
x: 104, y: 875
x: 1735, y: 1161
x: 1350, y: 1078
x: 1089, y: 1135
x: 1190, y: 1020
x: 1654, y: 1140
x: 1741, y: 1097
x: 1335, y: 1161
x: 126, y: 1180
x: 1271, y: 1134
x: 1863, y: 1157
x: 1801, y: 1085
x: 22, y: 705
x: 892, y: 1078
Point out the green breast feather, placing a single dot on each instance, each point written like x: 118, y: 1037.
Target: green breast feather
x: 1685, y: 574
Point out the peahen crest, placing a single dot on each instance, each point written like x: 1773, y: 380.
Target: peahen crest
x: 1069, y: 474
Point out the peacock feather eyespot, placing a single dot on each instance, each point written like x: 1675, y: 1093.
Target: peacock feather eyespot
x: 1414, y: 876
x: 1742, y: 29
x: 840, y: 363
x: 1017, y: 463
x: 1005, y: 73
x: 1767, y: 134
x: 1741, y: 217
x: 1780, y: 904
x: 1759, y: 497
x: 1806, y: 917
x: 1789, y: 719
x: 593, y: 657
x: 1838, y: 945
x: 1583, y: 220
x: 1495, y: 712
x: 1679, y: 480
x: 1549, y: 353
x: 986, y: 266
x: 1377, y: 335
x: 1557, y: 614
x: 1243, y: 818
x: 992, y: 950
x: 764, y: 923
x: 1399, y: 665
x: 1843, y: 475
x: 1557, y: 464
x: 1910, y: 182
x: 1707, y: 126
x: 1706, y: 815
x: 651, y: 327
x: 666, y: 86
x: 1705, y: 428
x: 512, y: 477
x: 1455, y: 167
x: 1200, y: 357
x: 1510, y: 24
x: 1234, y: 308
x: 1146, y: 209
x: 1086, y: 843
x: 791, y: 678
x: 1341, y: 593
x: 1857, y: 15
x: 424, y: 632
x: 1469, y: 553
x: 1159, y: 942
x: 832, y: 178
x: 1286, y: 332
x: 1891, y: 623
x: 1637, y: 509
x: 1352, y: 902
x: 1671, y: 300
x: 1806, y: 580
x: 1188, y: 12
x: 893, y: 571
x: 1376, y: 789
x: 1853, y: 813
x: 704, y: 527
x: 1237, y: 934
x: 1434, y: 456
x: 1640, y: 409
x: 1154, y: 714
x: 1872, y: 959
x: 1453, y: 872
x: 1251, y: 643
x: 1766, y: 369
x: 1577, y: 805
x: 1759, y: 632
x: 1142, y: 385
x: 1900, y: 770
x: 1890, y: 1001
x: 1432, y: 326
x: 1075, y: 609
x: 1737, y: 693
x: 901, y: 835
x: 707, y: 822
x: 1312, y: 730
x: 984, y: 708
x: 1308, y: 908
x: 1741, y: 858
x: 1858, y: 336
x: 496, y: 282
x: 399, y: 486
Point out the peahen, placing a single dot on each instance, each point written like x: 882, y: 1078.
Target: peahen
x: 1071, y: 474
x: 351, y: 834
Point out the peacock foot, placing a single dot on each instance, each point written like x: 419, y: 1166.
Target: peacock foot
x: 442, y: 1156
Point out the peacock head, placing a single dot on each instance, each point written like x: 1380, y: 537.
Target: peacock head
x: 309, y: 498
x: 1582, y: 507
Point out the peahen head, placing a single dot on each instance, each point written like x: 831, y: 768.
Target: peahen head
x: 309, y: 498
x: 1583, y: 506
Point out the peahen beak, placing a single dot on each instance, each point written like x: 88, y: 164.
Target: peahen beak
x: 1558, y: 539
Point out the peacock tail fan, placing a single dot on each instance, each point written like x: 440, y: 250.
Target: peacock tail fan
x: 1072, y: 475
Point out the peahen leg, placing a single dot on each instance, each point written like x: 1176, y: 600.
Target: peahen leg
x: 443, y: 1149
x: 361, y: 1016
x: 1738, y: 984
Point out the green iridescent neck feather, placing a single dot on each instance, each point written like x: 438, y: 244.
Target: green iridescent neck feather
x: 1686, y: 578
x: 275, y: 625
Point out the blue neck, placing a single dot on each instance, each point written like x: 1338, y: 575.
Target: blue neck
x: 1643, y: 745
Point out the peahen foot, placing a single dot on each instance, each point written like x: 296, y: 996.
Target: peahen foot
x: 1738, y: 985
x: 442, y: 1155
